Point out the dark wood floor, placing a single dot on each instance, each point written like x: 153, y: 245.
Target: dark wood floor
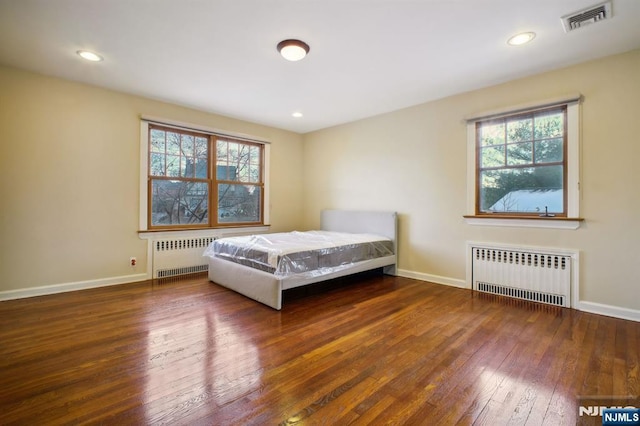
x: 372, y: 350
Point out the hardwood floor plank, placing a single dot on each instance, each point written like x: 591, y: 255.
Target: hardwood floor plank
x: 370, y: 349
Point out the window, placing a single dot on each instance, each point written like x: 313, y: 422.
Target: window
x: 239, y: 181
x: 524, y: 163
x: 202, y: 180
x: 521, y: 163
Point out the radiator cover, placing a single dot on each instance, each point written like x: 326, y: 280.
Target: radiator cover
x: 526, y: 273
x: 179, y: 256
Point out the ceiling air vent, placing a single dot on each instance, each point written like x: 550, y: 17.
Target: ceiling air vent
x: 585, y: 17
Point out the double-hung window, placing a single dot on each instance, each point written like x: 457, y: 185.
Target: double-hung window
x: 202, y: 180
x: 524, y: 163
x: 521, y: 163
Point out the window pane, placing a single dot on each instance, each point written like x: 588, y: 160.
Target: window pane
x: 222, y: 150
x: 549, y: 125
x: 254, y: 155
x: 157, y: 140
x: 492, y: 156
x: 238, y: 203
x: 187, y: 167
x: 201, y: 147
x: 173, y: 165
x: 179, y: 203
x: 254, y: 165
x: 243, y: 173
x: 492, y: 134
x: 519, y: 153
x: 202, y: 167
x: 254, y: 173
x: 526, y: 190
x: 243, y: 162
x: 234, y: 154
x: 157, y: 164
x: 173, y: 143
x: 548, y: 151
x: 188, y: 142
x: 519, y: 130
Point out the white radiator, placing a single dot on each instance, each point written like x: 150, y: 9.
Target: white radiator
x: 179, y: 256
x: 523, y: 273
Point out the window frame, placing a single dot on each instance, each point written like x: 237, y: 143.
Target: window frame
x: 571, y: 219
x: 212, y: 135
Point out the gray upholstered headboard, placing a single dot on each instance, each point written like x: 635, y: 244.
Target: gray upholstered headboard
x: 366, y: 222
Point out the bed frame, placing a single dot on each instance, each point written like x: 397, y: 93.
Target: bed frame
x: 267, y: 288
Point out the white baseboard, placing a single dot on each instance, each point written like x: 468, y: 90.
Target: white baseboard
x: 609, y: 310
x: 62, y: 288
x: 432, y: 278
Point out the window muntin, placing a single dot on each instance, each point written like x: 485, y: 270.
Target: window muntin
x: 521, y: 164
x: 182, y: 185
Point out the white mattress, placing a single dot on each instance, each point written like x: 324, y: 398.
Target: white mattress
x: 296, y: 252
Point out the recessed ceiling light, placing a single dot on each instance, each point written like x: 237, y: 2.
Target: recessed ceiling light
x: 293, y: 50
x: 89, y: 56
x: 297, y: 114
x: 521, y: 38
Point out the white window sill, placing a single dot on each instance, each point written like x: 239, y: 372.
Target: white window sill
x: 204, y: 232
x: 552, y: 223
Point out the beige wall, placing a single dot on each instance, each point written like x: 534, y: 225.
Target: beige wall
x: 414, y: 161
x: 69, y: 172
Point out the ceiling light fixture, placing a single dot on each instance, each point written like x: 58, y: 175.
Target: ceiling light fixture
x: 521, y: 38
x: 89, y: 56
x: 293, y: 50
x: 297, y: 114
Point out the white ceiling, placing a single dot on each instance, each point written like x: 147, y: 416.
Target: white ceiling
x: 367, y: 56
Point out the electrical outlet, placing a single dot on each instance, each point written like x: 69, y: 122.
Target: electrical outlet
x: 133, y: 262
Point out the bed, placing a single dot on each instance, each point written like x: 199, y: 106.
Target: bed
x: 263, y: 266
